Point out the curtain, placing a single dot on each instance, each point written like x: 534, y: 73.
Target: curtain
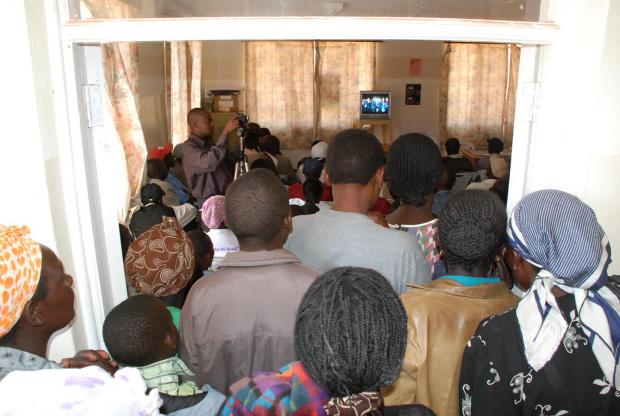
x: 120, y: 69
x: 184, y: 81
x: 344, y: 69
x: 478, y: 91
x: 280, y: 88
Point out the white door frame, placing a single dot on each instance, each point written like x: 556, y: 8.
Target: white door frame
x: 94, y: 232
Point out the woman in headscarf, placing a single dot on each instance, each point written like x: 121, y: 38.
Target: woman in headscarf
x: 557, y: 352
x: 350, y: 337
x: 213, y: 217
x: 36, y: 300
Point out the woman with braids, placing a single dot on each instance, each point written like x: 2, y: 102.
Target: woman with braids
x: 558, y: 352
x: 443, y: 314
x: 350, y: 337
x: 413, y: 171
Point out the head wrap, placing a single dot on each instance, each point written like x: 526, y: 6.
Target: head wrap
x: 319, y: 150
x: 558, y: 233
x: 161, y: 261
x: 20, y: 270
x: 213, y: 213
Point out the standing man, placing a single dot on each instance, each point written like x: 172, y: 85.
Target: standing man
x: 204, y: 162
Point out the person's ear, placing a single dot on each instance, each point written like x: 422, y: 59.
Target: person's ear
x: 379, y: 175
x: 171, y: 340
x: 288, y: 222
x: 328, y: 181
x: 34, y: 314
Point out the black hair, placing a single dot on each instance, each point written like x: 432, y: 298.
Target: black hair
x: 413, y: 168
x: 472, y: 228
x: 453, y: 146
x: 271, y: 144
x: 447, y: 178
x: 251, y: 140
x: 264, y: 164
x: 156, y: 169
x: 151, y: 193
x: 256, y: 206
x: 354, y: 156
x: 135, y: 330
x: 195, y: 112
x: 313, y: 190
x: 351, y: 331
x: 495, y: 145
x: 263, y: 131
x: 201, y: 242
x: 315, y: 142
x: 169, y: 161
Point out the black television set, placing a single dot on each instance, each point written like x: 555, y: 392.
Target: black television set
x: 375, y: 105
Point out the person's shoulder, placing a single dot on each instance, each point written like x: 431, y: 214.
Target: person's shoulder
x: 500, y: 325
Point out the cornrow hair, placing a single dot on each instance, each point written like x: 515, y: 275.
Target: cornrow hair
x: 472, y: 228
x: 413, y: 169
x: 134, y: 331
x: 351, y: 331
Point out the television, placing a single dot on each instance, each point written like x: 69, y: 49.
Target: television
x: 375, y: 105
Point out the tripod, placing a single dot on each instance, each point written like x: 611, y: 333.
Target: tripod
x: 241, y: 166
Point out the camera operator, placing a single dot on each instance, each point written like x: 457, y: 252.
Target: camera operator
x: 203, y: 160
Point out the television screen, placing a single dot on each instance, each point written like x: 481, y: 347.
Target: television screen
x: 375, y: 104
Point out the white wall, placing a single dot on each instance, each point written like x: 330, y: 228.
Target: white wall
x: 575, y: 145
x: 393, y: 74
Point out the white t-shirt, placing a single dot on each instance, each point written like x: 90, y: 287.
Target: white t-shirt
x: 224, y: 241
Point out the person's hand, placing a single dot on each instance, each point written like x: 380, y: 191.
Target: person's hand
x: 87, y: 358
x: 378, y: 218
x: 231, y: 125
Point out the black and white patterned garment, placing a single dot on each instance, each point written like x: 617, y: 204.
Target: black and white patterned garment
x: 496, y: 379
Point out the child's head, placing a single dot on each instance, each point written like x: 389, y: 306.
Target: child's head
x: 203, y: 251
x: 139, y: 331
x: 151, y: 193
x: 257, y: 210
x: 413, y: 168
x: 453, y: 146
x: 156, y: 169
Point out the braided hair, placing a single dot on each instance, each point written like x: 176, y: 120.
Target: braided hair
x: 351, y: 331
x: 414, y: 167
x: 472, y: 228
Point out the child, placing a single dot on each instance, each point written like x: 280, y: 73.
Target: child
x: 139, y: 333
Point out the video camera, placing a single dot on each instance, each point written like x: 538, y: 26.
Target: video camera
x: 243, y: 124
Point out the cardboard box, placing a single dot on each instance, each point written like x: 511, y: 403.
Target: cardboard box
x: 226, y: 103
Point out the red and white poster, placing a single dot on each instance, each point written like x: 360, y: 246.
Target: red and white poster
x: 415, y: 67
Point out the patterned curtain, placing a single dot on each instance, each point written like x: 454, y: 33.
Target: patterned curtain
x: 344, y: 69
x: 120, y: 69
x: 478, y: 91
x: 280, y: 88
x: 184, y: 81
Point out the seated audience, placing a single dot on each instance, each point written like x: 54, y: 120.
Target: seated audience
x: 311, y: 169
x: 156, y: 173
x: 558, y: 352
x: 495, y: 164
x: 203, y: 253
x: 263, y: 131
x: 176, y: 176
x: 78, y: 392
x: 223, y: 239
x: 454, y: 158
x: 271, y: 146
x: 444, y: 186
x: 413, y: 169
x: 241, y: 318
x: 299, y: 173
x: 36, y: 300
x: 264, y: 164
x: 161, y: 263
x: 318, y: 150
x: 252, y: 148
x: 345, y: 235
x: 444, y: 314
x: 152, y: 211
x: 313, y: 189
x: 139, y: 333
x: 350, y: 334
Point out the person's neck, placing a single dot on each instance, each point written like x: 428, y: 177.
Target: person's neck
x: 410, y: 214
x: 35, y: 342
x: 350, y: 197
x: 256, y: 245
x: 456, y: 270
x: 176, y: 301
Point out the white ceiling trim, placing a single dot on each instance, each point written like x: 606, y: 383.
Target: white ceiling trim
x: 309, y: 28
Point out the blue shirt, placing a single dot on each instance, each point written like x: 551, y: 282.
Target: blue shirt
x: 471, y: 280
x: 178, y: 187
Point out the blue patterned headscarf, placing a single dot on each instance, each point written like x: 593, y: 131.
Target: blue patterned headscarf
x: 559, y: 234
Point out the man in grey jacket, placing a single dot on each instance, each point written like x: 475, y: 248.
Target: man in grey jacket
x: 345, y: 235
x: 241, y: 318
